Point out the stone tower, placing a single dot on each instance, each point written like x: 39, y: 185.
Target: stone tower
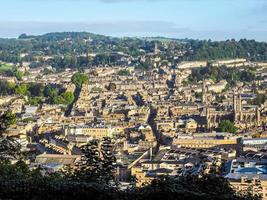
x: 204, y: 92
x: 237, y: 102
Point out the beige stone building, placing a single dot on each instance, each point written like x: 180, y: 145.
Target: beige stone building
x: 255, y: 184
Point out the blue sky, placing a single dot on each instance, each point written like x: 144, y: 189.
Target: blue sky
x: 203, y: 19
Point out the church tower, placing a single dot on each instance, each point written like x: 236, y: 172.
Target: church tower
x: 204, y: 92
x: 237, y: 103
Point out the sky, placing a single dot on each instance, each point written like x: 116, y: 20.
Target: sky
x: 198, y: 19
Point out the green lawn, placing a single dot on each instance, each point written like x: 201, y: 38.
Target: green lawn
x: 4, y: 67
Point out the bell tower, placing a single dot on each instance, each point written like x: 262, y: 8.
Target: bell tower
x: 237, y: 102
x: 204, y: 92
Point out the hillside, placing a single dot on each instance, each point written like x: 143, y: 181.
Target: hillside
x: 82, y: 49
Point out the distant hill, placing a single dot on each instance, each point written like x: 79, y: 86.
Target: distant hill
x: 77, y: 44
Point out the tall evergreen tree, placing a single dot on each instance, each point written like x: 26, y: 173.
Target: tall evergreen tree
x: 90, y: 165
x: 97, y: 162
x: 9, y: 148
x: 108, y: 160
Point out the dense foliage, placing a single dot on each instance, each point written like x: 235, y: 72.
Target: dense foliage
x: 215, y: 73
x: 6, y: 120
x: 81, y: 49
x: 56, y: 95
x: 97, y: 163
x: 68, y: 49
x: 10, y: 70
x: 260, y: 99
x: 227, y: 126
x: 37, y: 93
x: 124, y: 72
x: 78, y: 79
x: 209, y: 50
x: 9, y: 148
x: 17, y: 182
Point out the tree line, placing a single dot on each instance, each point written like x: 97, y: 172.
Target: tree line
x: 37, y: 93
x: 218, y: 73
x: 229, y: 49
x: 72, y: 49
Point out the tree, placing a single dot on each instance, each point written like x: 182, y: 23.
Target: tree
x: 6, y: 88
x: 97, y: 163
x: 89, y: 168
x: 124, y: 72
x: 68, y: 98
x: 18, y: 75
x: 65, y: 98
x: 9, y: 148
x: 206, y: 187
x: 78, y: 79
x: 6, y: 120
x: 36, y: 89
x: 22, y: 89
x: 112, y: 87
x: 108, y: 160
x: 50, y: 91
x: 35, y: 100
x: 227, y: 126
x: 54, y: 186
x: 260, y: 99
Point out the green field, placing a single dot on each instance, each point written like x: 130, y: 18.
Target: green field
x: 5, y: 67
